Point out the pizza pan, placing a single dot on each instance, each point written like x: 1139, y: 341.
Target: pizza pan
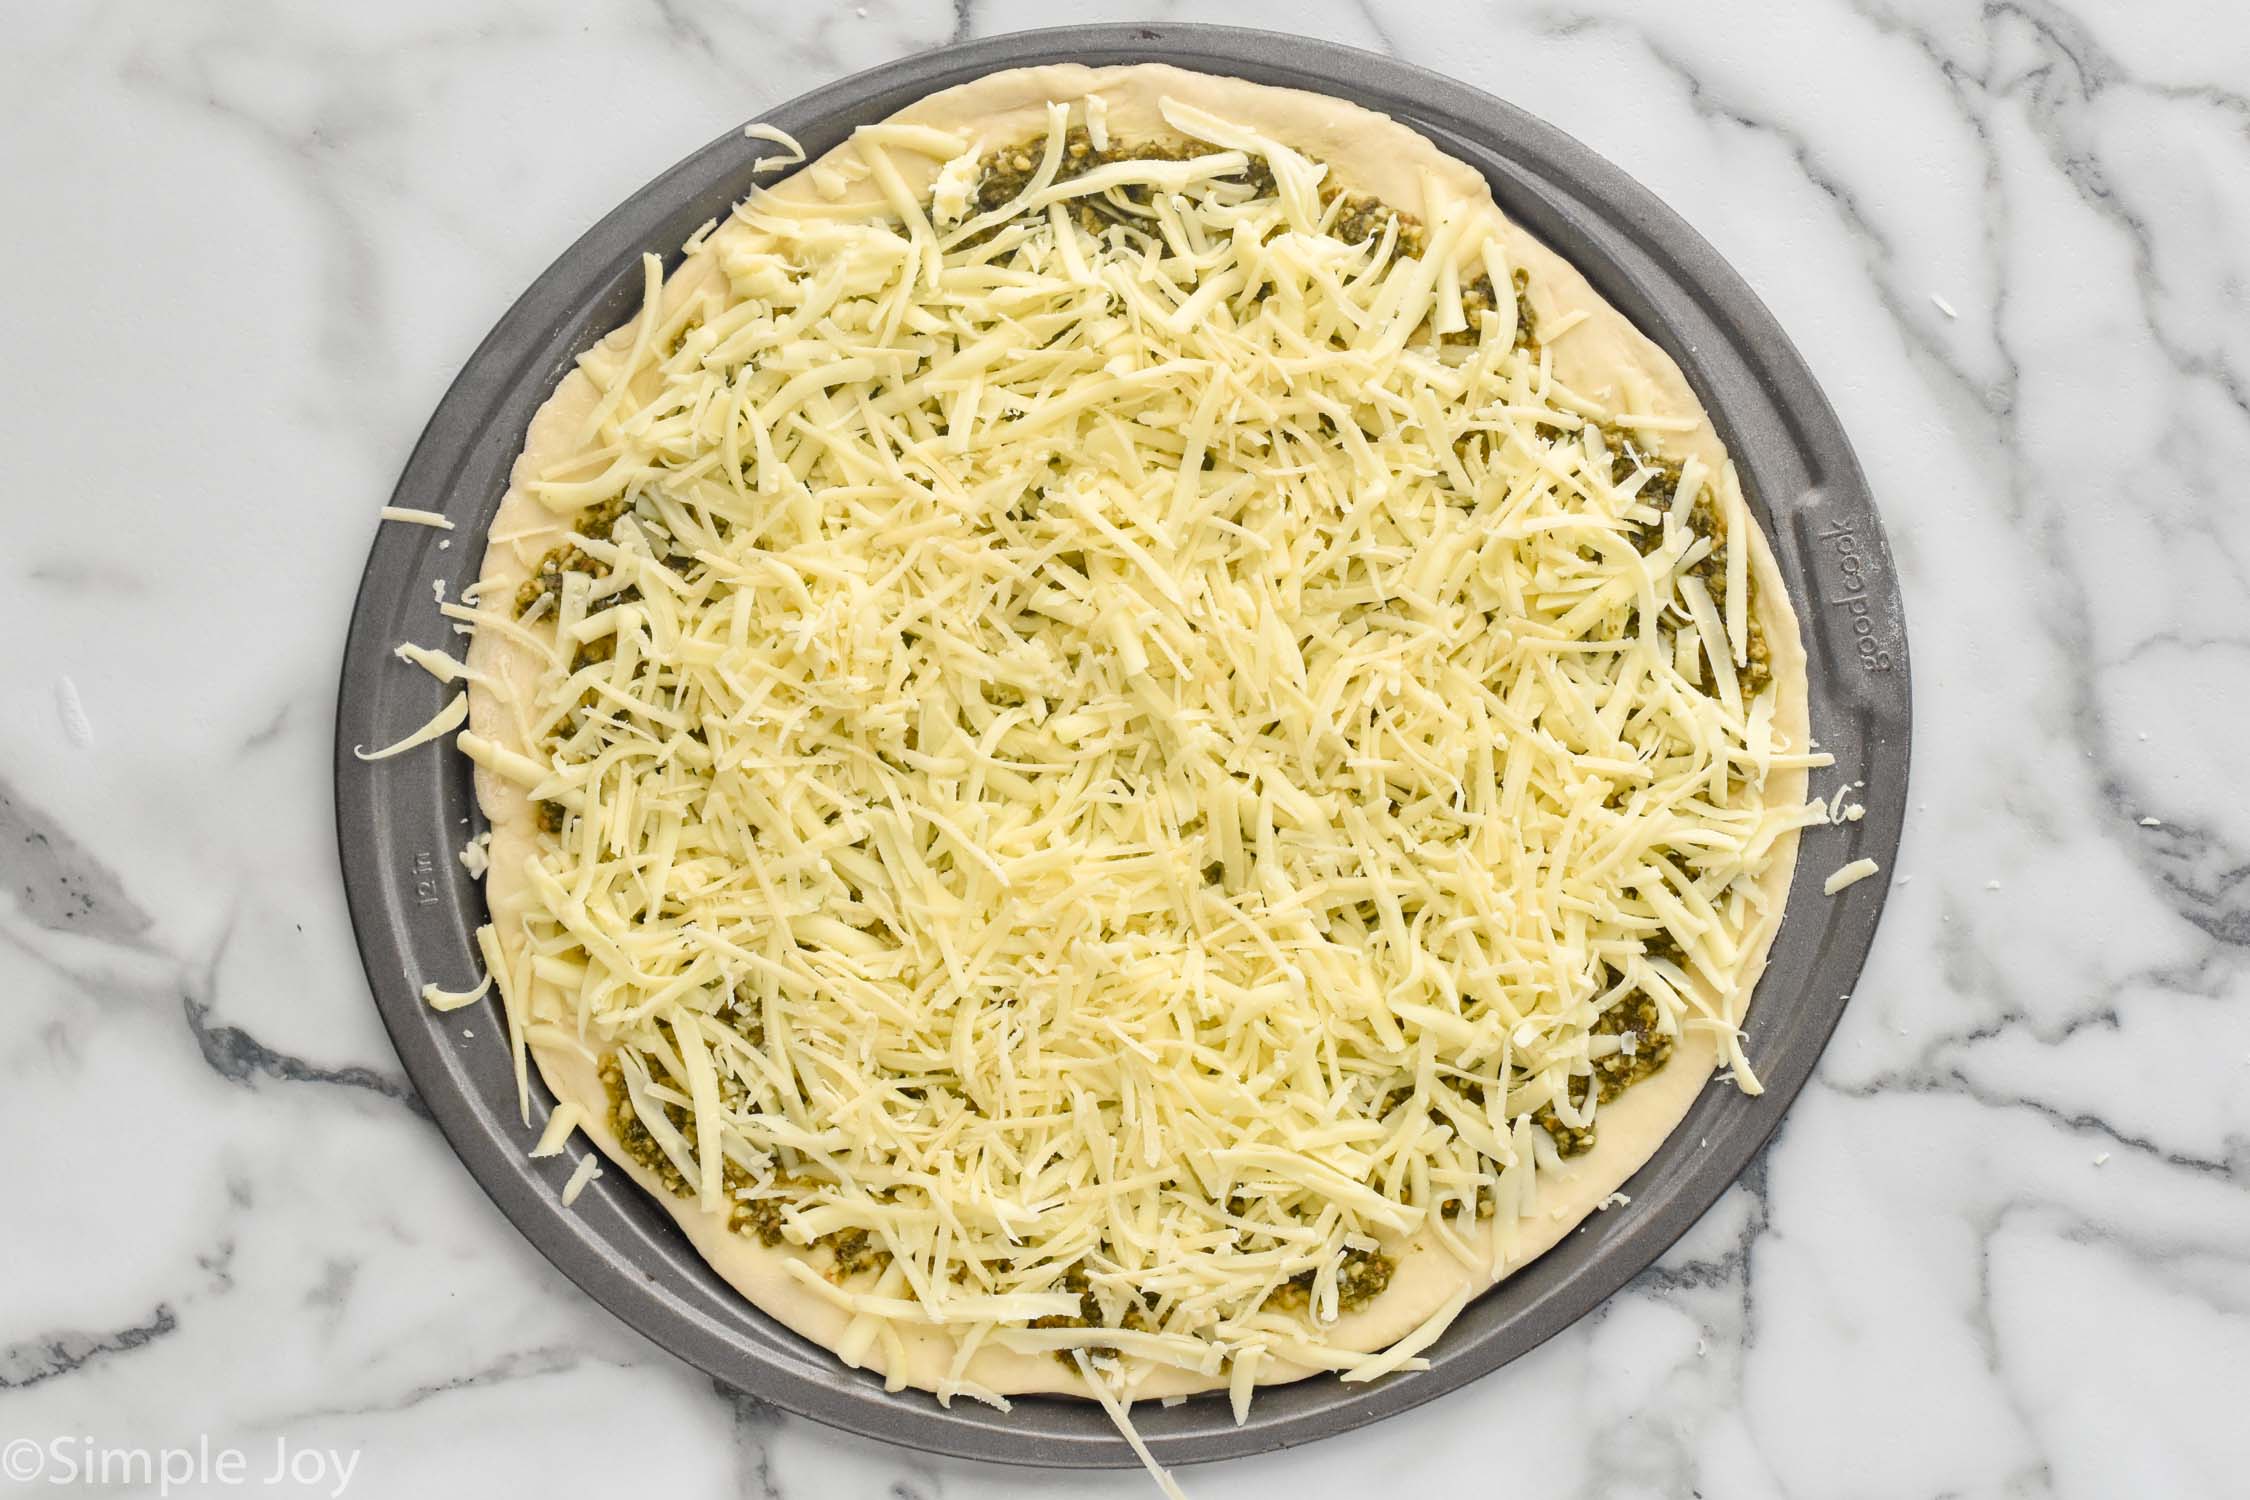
x: 400, y: 822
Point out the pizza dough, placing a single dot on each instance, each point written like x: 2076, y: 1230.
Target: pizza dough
x: 1601, y: 356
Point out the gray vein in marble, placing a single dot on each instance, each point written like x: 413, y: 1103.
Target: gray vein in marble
x: 2202, y: 877
x: 354, y: 314
x: 1986, y: 1331
x: 1908, y: 312
x: 1943, y: 1080
x: 1732, y: 1266
x: 2057, y: 92
x: 1719, y: 1295
x: 2053, y: 93
x: 682, y: 25
x: 1989, y: 1220
x: 51, y: 1355
x: 240, y: 1058
x: 59, y: 885
x: 218, y: 1264
x: 521, y: 1364
x: 753, y: 1422
x: 2078, y: 70
x: 1971, y: 971
x: 2163, y: 1259
x: 268, y: 732
x: 74, y: 573
x: 2180, y: 640
x: 1374, y: 23
x: 333, y: 1292
x: 106, y: 989
x: 2209, y: 876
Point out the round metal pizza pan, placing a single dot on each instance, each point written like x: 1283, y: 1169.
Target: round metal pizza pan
x: 401, y: 822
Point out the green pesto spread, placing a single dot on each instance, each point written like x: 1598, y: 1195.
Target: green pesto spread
x: 1477, y: 298
x: 1704, y: 520
x: 546, y: 579
x: 1361, y: 1276
x: 851, y: 1252
x: 1634, y: 1016
x: 1136, y: 1313
x: 1002, y: 176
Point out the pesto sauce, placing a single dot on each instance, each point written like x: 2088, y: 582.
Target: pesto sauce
x: 1138, y: 1314
x: 595, y: 524
x: 1478, y: 297
x: 1704, y: 521
x: 1635, y: 1016
x: 1003, y: 174
x: 1361, y: 1277
x: 851, y: 1252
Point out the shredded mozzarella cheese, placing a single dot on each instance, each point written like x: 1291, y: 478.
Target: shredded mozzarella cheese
x: 568, y: 1116
x: 588, y: 1170
x: 443, y: 722
x: 1105, y: 744
x: 779, y: 137
x: 1848, y: 875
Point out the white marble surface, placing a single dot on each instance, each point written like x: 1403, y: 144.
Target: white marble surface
x: 2001, y: 1247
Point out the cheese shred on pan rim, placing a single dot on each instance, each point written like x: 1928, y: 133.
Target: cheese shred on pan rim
x: 1115, y: 766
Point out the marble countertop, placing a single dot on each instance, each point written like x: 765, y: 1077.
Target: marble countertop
x: 2001, y: 1245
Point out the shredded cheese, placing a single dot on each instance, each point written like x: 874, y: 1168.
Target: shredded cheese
x: 568, y: 1116
x: 439, y: 998
x: 589, y: 1168
x: 416, y: 517
x: 1121, y: 1415
x: 779, y: 137
x: 1105, y: 745
x: 1848, y: 875
x: 444, y: 668
x: 444, y: 721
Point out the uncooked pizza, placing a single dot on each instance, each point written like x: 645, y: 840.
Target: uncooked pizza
x: 1132, y: 746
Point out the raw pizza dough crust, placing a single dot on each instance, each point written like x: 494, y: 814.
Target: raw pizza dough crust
x: 1603, y: 356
